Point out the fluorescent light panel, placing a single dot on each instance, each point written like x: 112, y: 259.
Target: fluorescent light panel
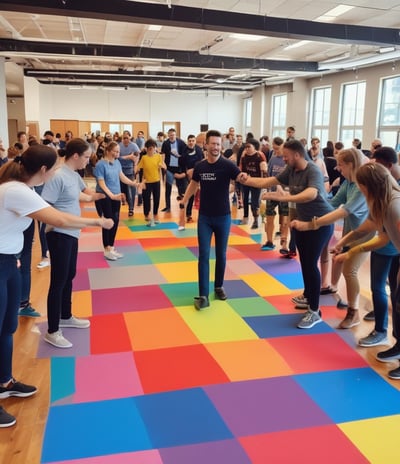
x: 248, y: 37
x: 297, y: 44
x: 154, y: 27
x: 332, y: 14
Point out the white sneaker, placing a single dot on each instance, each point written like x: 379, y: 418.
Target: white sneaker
x: 75, y: 323
x: 110, y: 256
x: 116, y: 253
x: 57, y: 339
x: 181, y: 228
x: 44, y: 263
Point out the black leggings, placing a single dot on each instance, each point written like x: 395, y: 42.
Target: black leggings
x: 110, y: 210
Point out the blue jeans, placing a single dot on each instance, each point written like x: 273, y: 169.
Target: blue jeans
x: 130, y: 192
x: 383, y: 267
x: 64, y: 254
x: 310, y: 245
x: 206, y: 227
x: 10, y: 296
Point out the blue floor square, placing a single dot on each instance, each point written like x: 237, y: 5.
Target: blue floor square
x: 94, y: 429
x: 355, y: 390
x: 238, y: 289
x: 282, y: 325
x: 181, y: 418
x: 292, y: 281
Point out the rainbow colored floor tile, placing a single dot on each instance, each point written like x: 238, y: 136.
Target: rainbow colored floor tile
x: 153, y: 381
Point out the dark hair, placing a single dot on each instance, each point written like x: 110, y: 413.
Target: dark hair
x: 191, y: 136
x: 25, y: 166
x: 159, y: 134
x: 277, y: 141
x: 254, y: 142
x: 296, y: 146
x: 150, y: 143
x: 249, y: 135
x: 291, y: 128
x: 20, y: 133
x: 18, y: 145
x: 212, y: 133
x: 358, y: 143
x: 387, y: 155
x: 49, y: 132
x: 58, y: 135
x: 339, y: 145
x: 76, y: 146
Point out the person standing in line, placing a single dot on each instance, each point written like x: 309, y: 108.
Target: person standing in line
x: 192, y: 155
x: 19, y: 204
x: 140, y: 140
x: 350, y: 205
x: 255, y: 165
x: 64, y: 192
x: 383, y: 197
x: 128, y: 157
x: 213, y: 175
x: 108, y: 173
x: 306, y: 189
x: 172, y: 149
x: 150, y: 166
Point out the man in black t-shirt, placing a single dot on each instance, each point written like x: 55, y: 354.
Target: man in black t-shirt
x: 214, y: 175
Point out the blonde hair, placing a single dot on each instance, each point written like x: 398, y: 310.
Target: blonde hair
x: 379, y: 185
x: 351, y: 156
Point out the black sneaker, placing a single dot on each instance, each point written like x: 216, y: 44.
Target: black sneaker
x: 392, y: 354
x: 201, y: 302
x: 394, y: 374
x: 6, y: 420
x: 220, y: 293
x: 369, y: 316
x: 17, y: 389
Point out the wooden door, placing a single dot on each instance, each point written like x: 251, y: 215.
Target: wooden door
x: 172, y: 125
x: 33, y: 128
x: 143, y: 126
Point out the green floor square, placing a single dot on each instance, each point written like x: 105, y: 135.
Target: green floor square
x: 256, y: 306
x: 171, y: 255
x: 181, y: 294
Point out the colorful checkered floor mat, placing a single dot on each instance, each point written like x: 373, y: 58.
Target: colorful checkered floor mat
x: 153, y: 381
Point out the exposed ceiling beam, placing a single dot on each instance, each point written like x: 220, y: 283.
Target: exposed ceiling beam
x: 179, y: 58
x: 199, y: 18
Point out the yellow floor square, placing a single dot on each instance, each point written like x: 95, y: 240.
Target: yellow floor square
x: 82, y: 303
x: 185, y: 271
x: 375, y: 438
x: 218, y: 323
x: 265, y: 285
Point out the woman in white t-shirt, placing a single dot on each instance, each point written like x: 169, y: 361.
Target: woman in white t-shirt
x: 19, y: 204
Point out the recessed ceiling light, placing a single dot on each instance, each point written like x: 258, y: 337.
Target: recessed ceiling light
x: 332, y: 14
x: 297, y: 44
x: 154, y: 27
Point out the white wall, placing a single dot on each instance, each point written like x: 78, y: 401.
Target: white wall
x: 217, y: 110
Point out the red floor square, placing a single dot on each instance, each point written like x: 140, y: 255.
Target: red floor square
x: 177, y: 368
x: 325, y: 444
x: 317, y: 353
x: 109, y: 334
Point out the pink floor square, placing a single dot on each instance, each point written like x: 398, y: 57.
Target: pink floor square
x: 139, y: 457
x: 129, y: 299
x: 81, y: 280
x: 91, y: 260
x: 98, y: 377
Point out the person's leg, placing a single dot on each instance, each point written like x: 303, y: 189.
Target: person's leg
x: 156, y: 188
x: 221, y: 226
x: 26, y: 263
x: 66, y: 305
x: 204, y: 234
x: 115, y: 209
x: 130, y: 193
x: 169, y: 180
x: 189, y: 208
x: 255, y: 205
x: 146, y: 196
x: 379, y: 271
x: 310, y: 245
x: 246, y: 192
x: 350, y: 274
x: 10, y: 297
x: 60, y: 252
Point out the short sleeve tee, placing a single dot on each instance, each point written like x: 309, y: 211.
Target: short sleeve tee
x: 214, y: 179
x: 109, y: 172
x: 17, y: 201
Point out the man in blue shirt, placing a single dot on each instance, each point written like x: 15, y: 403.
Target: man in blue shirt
x: 129, y: 156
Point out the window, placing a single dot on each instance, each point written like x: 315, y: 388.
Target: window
x: 278, y: 118
x: 320, y: 115
x: 352, y: 112
x: 248, y: 106
x: 389, y: 114
x: 95, y: 128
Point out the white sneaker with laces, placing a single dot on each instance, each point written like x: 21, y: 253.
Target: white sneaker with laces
x: 110, y: 256
x: 57, y: 339
x: 181, y: 228
x: 75, y: 323
x: 116, y: 253
x: 45, y: 262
